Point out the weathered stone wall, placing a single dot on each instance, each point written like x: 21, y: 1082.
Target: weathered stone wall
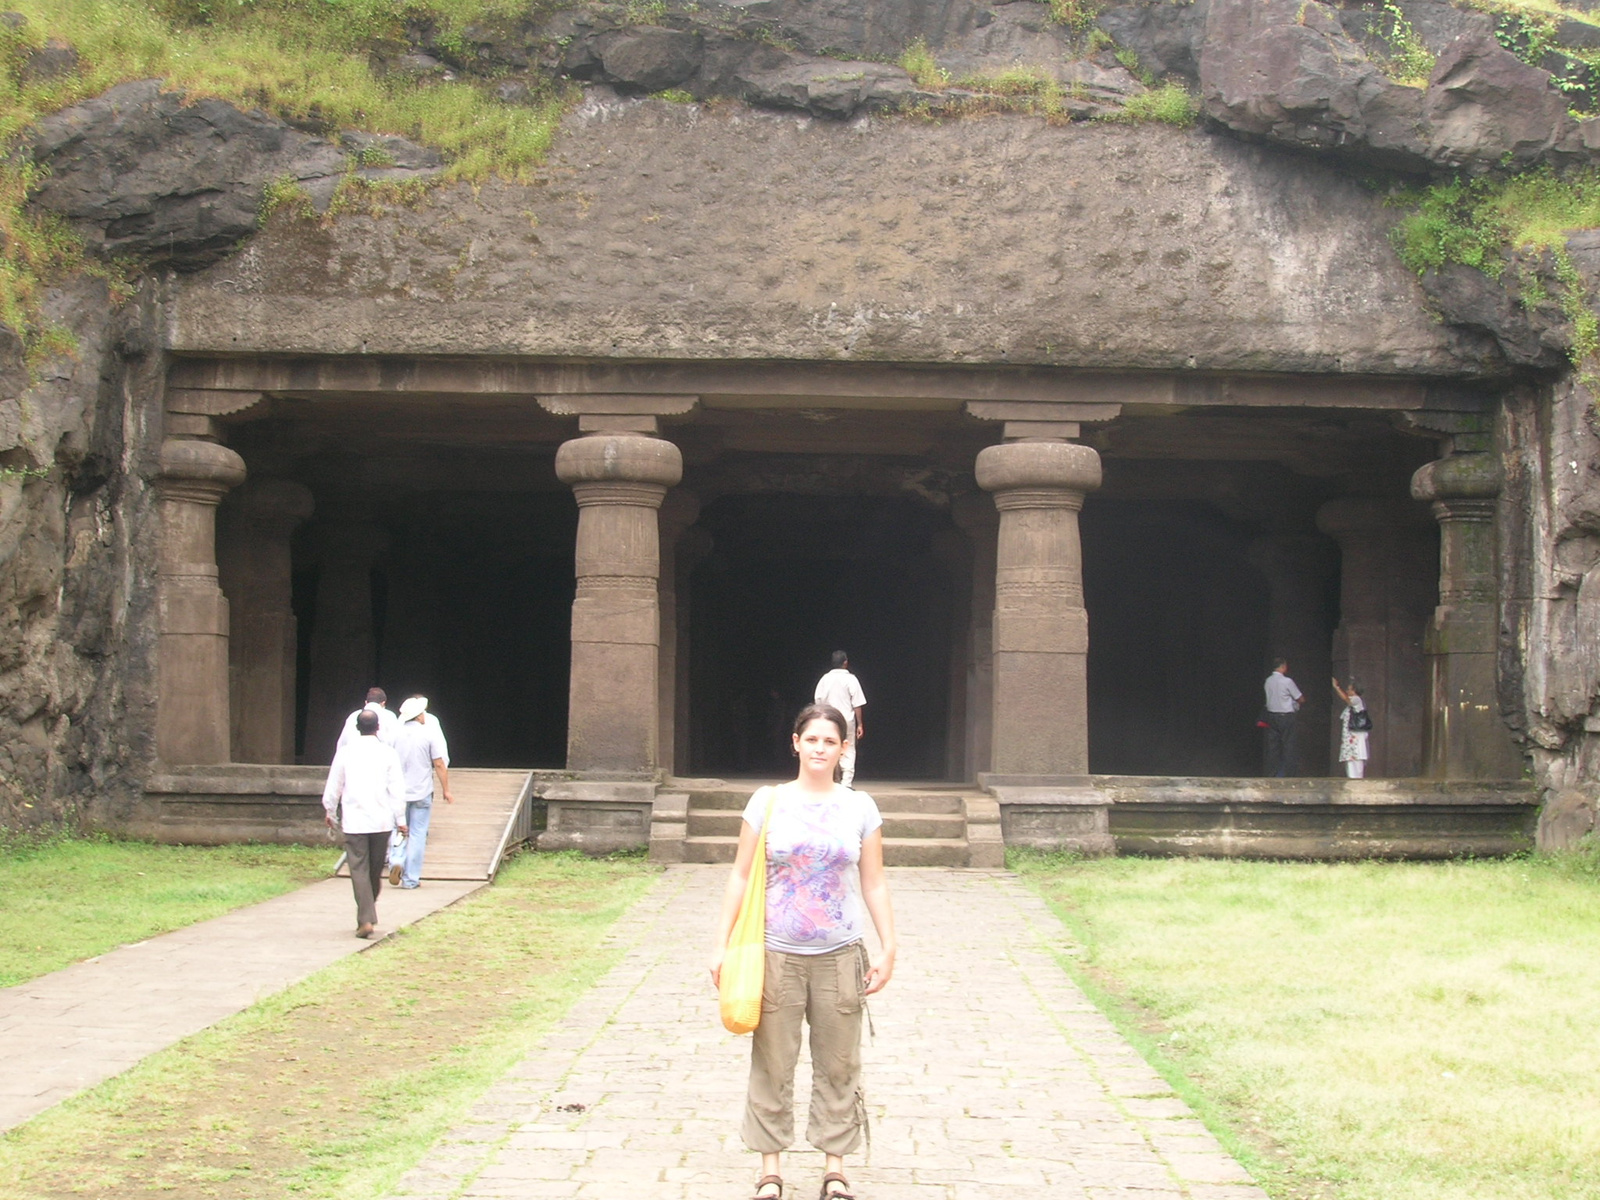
x: 1550, y: 639
x: 672, y: 231
x: 76, y: 566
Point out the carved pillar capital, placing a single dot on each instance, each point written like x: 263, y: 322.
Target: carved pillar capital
x: 1043, y: 471
x: 1474, y: 476
x: 197, y: 471
x: 275, y: 507
x: 679, y: 510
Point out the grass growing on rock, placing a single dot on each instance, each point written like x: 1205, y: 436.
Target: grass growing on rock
x: 1483, y: 222
x: 66, y: 899
x: 1169, y: 104
x: 308, y: 60
x: 266, y: 1104
x: 1363, y: 1031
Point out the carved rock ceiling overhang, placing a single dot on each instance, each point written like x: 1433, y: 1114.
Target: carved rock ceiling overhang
x: 411, y: 409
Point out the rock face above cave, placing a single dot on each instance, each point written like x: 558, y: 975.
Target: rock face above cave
x: 147, y: 172
x: 664, y: 230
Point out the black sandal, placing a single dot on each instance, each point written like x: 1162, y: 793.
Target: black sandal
x: 834, y: 1177
x: 764, y: 1181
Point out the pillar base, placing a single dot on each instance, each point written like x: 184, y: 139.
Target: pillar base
x: 598, y: 816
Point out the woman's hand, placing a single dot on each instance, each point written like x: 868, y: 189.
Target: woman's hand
x: 716, y: 969
x: 879, y: 974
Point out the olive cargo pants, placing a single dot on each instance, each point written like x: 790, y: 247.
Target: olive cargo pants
x: 826, y: 992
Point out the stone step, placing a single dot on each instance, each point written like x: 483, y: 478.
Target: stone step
x: 719, y: 822
x: 897, y: 801
x: 897, y: 852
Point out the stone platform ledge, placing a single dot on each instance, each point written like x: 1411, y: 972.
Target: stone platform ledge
x: 1323, y: 818
x: 1052, y: 812
x: 597, y: 816
x: 218, y: 804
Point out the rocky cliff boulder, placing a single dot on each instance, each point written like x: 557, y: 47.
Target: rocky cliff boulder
x: 149, y: 173
x: 1487, y: 108
x: 1286, y: 71
x: 1289, y: 72
x: 1166, y: 37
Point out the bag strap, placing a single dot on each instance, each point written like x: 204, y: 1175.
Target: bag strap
x: 766, y: 821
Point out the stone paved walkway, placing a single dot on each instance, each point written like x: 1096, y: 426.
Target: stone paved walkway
x: 74, y: 1028
x: 991, y: 1075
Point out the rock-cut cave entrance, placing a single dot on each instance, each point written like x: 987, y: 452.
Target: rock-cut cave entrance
x: 464, y: 597
x: 786, y: 580
x: 1178, y: 639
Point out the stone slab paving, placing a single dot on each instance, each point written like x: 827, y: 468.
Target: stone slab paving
x: 991, y: 1075
x: 74, y: 1028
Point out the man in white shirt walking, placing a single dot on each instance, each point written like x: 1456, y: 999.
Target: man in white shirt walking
x: 842, y: 691
x: 421, y: 746
x: 1283, y: 705
x: 365, y: 780
x: 388, y: 723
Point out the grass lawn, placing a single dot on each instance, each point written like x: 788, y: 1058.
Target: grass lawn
x: 65, y: 900
x: 1361, y: 1031
x: 336, y: 1086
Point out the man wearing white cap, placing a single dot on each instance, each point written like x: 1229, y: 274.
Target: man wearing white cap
x: 419, y: 741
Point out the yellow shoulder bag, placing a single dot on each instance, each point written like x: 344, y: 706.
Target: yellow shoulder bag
x: 744, y: 963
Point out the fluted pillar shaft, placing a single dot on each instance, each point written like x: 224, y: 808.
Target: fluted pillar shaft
x: 679, y: 511
x: 1040, y: 725
x: 1466, y: 738
x: 344, y: 636
x: 619, y: 481
x: 1388, y: 579
x: 256, y: 576
x: 977, y: 518
x: 1297, y: 567
x: 192, y: 655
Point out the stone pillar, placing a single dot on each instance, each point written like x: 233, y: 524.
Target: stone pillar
x: 192, y: 655
x: 620, y: 478
x: 613, y: 721
x: 1040, y: 756
x: 679, y: 511
x: 343, y: 639
x: 254, y: 566
x: 1466, y: 737
x: 619, y: 471
x: 694, y: 547
x: 1387, y: 582
x: 953, y: 551
x: 977, y: 518
x: 1041, y: 632
x: 1298, y: 567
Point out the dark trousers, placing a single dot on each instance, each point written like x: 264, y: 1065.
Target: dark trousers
x: 368, y: 856
x: 1280, y: 743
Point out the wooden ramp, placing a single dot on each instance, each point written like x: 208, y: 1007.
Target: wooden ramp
x: 467, y: 839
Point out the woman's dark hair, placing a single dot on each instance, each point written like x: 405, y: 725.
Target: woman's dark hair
x: 820, y: 712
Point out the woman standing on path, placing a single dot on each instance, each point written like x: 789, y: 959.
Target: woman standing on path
x: 1352, y: 742
x: 824, y: 863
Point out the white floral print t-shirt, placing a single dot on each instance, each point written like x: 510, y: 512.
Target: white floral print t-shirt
x: 813, y: 867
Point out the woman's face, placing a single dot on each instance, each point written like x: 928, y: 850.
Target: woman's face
x: 819, y: 745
